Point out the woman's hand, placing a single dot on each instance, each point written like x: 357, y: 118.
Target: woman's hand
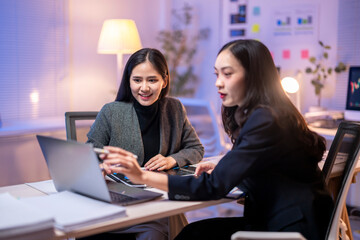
x: 160, y: 163
x: 105, y: 169
x: 122, y: 161
x: 207, y: 167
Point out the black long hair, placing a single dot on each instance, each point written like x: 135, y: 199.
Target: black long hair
x: 263, y: 89
x: 156, y: 58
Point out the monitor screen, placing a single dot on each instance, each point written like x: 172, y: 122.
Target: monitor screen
x: 352, y: 111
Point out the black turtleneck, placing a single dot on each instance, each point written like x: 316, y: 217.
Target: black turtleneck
x: 149, y: 121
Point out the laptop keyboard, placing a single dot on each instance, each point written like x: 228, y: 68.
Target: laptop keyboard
x: 121, y: 198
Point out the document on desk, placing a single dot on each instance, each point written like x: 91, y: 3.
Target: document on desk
x: 72, y: 211
x: 46, y: 186
x: 19, y: 219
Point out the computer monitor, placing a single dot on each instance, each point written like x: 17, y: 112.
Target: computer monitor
x: 352, y: 111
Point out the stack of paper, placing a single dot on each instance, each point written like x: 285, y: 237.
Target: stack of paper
x: 19, y: 219
x: 72, y: 210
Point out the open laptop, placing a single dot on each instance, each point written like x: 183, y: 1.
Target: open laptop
x: 74, y: 166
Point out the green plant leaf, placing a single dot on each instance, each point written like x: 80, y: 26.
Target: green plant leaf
x: 318, y: 86
x: 179, y: 46
x: 340, y: 67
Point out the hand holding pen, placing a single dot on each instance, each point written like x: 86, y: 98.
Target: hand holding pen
x: 109, y: 155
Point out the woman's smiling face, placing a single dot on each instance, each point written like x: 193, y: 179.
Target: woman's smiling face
x: 146, y: 83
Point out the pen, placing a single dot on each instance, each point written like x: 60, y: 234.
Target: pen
x: 101, y: 150
x: 104, y: 151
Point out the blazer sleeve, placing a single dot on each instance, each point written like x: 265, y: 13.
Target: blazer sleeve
x: 191, y: 150
x: 99, y: 134
x: 255, y: 148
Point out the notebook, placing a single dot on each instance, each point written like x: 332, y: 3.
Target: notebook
x: 74, y: 166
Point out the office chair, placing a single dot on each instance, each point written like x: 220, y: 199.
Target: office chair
x: 72, y: 128
x: 206, y: 124
x: 338, y: 172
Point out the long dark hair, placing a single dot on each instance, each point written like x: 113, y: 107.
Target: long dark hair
x: 263, y: 89
x: 156, y: 58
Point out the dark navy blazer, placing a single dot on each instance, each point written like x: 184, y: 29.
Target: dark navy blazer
x: 284, y: 186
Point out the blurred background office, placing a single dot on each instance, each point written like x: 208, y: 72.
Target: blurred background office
x: 51, y: 61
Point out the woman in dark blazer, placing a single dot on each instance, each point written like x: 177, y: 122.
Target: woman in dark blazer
x: 274, y: 159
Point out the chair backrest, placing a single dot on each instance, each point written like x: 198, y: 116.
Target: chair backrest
x: 339, y: 166
x: 72, y: 128
x: 206, y: 124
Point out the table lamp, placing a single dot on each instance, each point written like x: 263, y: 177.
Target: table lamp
x: 119, y: 36
x: 291, y: 86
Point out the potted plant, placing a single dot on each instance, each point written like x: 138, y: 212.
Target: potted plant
x: 321, y: 71
x: 179, y: 48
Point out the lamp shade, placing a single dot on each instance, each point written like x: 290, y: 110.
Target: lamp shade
x: 119, y: 36
x: 290, y: 84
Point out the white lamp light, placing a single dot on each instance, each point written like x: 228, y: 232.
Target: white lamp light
x: 291, y: 85
x: 119, y: 36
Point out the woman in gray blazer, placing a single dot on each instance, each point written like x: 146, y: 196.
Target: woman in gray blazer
x: 147, y: 123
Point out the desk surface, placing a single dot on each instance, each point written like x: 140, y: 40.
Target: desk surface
x: 138, y: 213
x: 327, y: 133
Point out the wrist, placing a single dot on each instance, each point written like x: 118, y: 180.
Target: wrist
x: 144, y: 177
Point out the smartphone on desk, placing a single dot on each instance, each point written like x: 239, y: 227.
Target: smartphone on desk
x: 118, y: 177
x: 182, y: 171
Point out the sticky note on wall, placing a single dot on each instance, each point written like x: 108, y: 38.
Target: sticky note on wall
x: 256, y: 11
x: 304, y: 54
x: 255, y: 28
x: 286, y: 54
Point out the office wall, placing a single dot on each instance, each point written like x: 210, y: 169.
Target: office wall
x: 94, y: 75
x: 261, y: 23
x: 215, y: 15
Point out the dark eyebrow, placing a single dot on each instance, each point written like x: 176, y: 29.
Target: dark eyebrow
x: 224, y: 68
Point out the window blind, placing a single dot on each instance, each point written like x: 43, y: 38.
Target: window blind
x: 34, y: 68
x: 348, y: 46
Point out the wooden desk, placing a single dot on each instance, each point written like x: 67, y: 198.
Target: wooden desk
x: 138, y: 213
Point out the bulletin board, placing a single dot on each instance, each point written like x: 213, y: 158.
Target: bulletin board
x: 287, y: 29
x: 290, y: 29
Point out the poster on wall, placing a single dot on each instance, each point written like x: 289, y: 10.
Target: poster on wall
x: 274, y: 23
x: 295, y: 23
x: 234, y: 20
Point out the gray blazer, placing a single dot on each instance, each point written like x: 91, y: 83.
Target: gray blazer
x: 117, y: 125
